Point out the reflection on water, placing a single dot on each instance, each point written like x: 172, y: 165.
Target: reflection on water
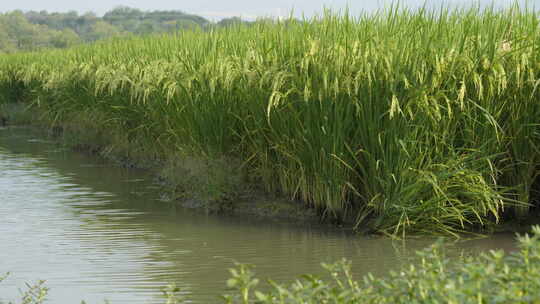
x: 96, y: 232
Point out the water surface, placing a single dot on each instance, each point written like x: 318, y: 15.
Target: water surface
x: 96, y: 232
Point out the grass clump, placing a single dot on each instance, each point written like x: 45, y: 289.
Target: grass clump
x: 211, y: 181
x: 405, y: 121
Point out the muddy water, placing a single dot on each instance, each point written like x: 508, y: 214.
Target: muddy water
x: 95, y: 232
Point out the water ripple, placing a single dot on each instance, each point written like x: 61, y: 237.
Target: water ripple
x: 95, y: 232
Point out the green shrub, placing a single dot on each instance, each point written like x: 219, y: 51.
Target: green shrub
x: 494, y: 277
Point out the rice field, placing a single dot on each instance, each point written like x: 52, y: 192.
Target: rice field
x: 406, y: 121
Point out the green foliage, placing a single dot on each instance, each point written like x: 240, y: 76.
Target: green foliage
x: 32, y: 31
x: 18, y: 34
x: 173, y: 295
x: 493, y: 277
x: 33, y: 294
x: 100, y: 30
x: 404, y: 121
x: 139, y: 22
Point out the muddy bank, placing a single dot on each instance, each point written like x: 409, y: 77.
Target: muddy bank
x: 210, y: 185
x: 200, y: 190
x: 216, y: 185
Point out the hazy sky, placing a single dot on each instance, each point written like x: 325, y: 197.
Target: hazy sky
x: 216, y: 9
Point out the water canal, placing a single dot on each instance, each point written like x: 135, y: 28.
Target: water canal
x: 96, y: 232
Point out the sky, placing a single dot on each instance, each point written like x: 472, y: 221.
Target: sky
x: 248, y: 9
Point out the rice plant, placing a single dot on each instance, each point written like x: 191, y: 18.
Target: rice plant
x: 406, y: 121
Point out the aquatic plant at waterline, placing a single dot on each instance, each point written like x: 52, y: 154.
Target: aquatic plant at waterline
x: 33, y: 294
x: 494, y: 277
x: 405, y: 121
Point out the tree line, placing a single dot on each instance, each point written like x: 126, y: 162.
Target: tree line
x: 32, y: 31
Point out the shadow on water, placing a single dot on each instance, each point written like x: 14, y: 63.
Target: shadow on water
x: 95, y: 232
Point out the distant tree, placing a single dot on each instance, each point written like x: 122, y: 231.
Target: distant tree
x: 147, y: 27
x: 24, y: 34
x: 102, y: 30
x: 7, y: 45
x: 85, y: 22
x: 230, y: 21
x: 35, y: 30
x: 187, y: 24
x: 122, y: 13
x: 65, y: 38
